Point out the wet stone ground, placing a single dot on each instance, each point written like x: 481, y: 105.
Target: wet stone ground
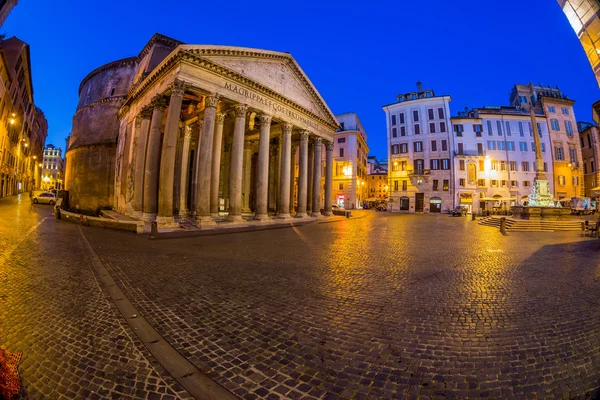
x: 374, y: 307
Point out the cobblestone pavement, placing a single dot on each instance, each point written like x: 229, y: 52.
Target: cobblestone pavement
x: 74, y: 343
x: 374, y: 307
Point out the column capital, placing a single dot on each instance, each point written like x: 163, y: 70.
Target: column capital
x: 146, y: 112
x: 318, y: 141
x: 329, y: 146
x: 295, y: 147
x: 138, y: 122
x: 187, y: 130
x: 248, y: 144
x: 211, y: 100
x: 220, y: 120
x: 178, y: 88
x: 286, y: 128
x: 265, y: 119
x: 159, y: 102
x: 304, y: 135
x: 240, y: 110
x: 274, y: 151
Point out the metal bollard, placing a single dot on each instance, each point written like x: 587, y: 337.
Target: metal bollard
x: 56, y: 212
x: 503, y: 225
x: 153, y: 227
x: 473, y: 216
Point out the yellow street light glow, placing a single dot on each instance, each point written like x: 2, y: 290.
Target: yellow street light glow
x: 12, y: 121
x: 40, y: 165
x: 34, y: 157
x: 26, y: 145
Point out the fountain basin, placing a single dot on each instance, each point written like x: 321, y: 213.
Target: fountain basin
x: 526, y: 212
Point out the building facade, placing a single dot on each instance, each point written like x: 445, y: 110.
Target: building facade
x: 583, y: 15
x: 565, y: 145
x: 52, y: 168
x: 420, y: 152
x: 350, y: 168
x: 23, y: 126
x: 377, y: 181
x: 200, y: 131
x: 494, y: 157
x: 590, y: 152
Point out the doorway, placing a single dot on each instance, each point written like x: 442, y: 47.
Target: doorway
x: 435, y: 205
x: 419, y: 202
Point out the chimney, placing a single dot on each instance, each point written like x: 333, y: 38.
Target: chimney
x: 419, y: 86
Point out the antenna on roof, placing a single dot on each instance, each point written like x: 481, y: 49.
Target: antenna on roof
x: 419, y: 86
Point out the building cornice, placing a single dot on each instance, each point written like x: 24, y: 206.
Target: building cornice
x: 446, y: 97
x: 182, y: 56
x: 550, y: 99
x: 112, y: 65
x: 99, y: 102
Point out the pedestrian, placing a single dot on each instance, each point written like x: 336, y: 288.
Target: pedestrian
x: 31, y: 195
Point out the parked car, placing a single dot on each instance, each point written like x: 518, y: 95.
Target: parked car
x: 381, y: 207
x: 335, y: 207
x: 44, y: 198
x: 459, y: 211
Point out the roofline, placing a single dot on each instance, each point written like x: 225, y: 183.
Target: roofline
x: 424, y: 98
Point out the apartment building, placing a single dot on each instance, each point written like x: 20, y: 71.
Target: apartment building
x: 53, y: 168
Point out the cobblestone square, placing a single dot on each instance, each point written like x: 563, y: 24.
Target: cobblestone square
x: 378, y: 306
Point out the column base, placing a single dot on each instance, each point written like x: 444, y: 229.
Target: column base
x: 301, y: 215
x: 246, y: 210
x: 284, y: 216
x: 316, y: 215
x: 183, y: 214
x: 327, y: 214
x: 148, y: 217
x: 136, y: 214
x: 236, y: 219
x: 215, y: 215
x: 204, y: 220
x: 166, y: 222
x: 262, y: 217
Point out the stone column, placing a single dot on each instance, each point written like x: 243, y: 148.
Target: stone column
x: 316, y: 202
x: 167, y: 159
x: 150, y: 206
x: 283, y: 207
x: 140, y: 161
x: 302, y: 175
x: 196, y: 134
x: 185, y: 168
x: 204, y: 162
x: 247, y: 176
x: 237, y: 160
x: 328, y: 178
x: 273, y: 172
x: 293, y: 177
x: 311, y: 173
x: 262, y: 173
x: 216, y: 166
x: 225, y: 167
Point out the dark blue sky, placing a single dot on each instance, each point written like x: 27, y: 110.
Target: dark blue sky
x: 359, y: 55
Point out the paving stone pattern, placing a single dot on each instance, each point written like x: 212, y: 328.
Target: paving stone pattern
x: 75, y: 344
x: 378, y: 306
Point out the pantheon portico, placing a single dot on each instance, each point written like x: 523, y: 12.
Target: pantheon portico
x: 207, y: 134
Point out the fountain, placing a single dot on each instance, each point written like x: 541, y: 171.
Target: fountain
x: 540, y: 203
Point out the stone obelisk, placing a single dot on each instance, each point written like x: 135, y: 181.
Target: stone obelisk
x: 540, y: 195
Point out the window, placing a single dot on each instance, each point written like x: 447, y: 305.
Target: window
x: 477, y: 129
x: 418, y: 147
x: 393, y: 120
x: 446, y: 186
x: 494, y: 165
x: 530, y: 129
x: 584, y: 168
x: 343, y: 139
x: 395, y: 149
x: 442, y: 127
x: 401, y: 115
x: 510, y: 146
x: 480, y: 182
x: 458, y: 129
x: 521, y: 133
x: 533, y: 147
x: 402, y: 131
x: 461, y: 149
x: 440, y: 113
x: 432, y: 127
x: 569, y: 128
x: 499, y: 127
x: 589, y: 141
x: 446, y: 163
x: 592, y: 165
x: 522, y: 99
x: 502, y: 165
x: 523, y: 146
x: 405, y: 185
x: 341, y: 186
x: 508, y: 132
x: 493, y: 182
x: 342, y: 152
x: 418, y: 165
x: 430, y: 113
x: 551, y: 109
x: 417, y: 129
x: 565, y: 110
x: 514, y: 184
x: 545, y: 167
x: 435, y: 184
x: 112, y: 92
x: 581, y: 141
x: 404, y: 148
x: 489, y: 128
x: 554, y: 123
x: 512, y: 165
x: 480, y: 149
x: 543, y: 147
x: 503, y: 183
x: 415, y: 116
x: 394, y: 133
x: 491, y: 145
x: 561, y: 180
x: 461, y: 165
x: 461, y: 182
x: 525, y: 183
x: 396, y: 186
x: 434, y: 164
x: 500, y: 145
x: 575, y: 180
x: 539, y: 126
x: 572, y: 154
x: 433, y: 145
x: 559, y: 153
x: 444, y: 145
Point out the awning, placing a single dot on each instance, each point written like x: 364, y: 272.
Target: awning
x: 498, y: 199
x: 596, y: 191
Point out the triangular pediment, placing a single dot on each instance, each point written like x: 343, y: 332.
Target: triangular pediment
x: 276, y: 71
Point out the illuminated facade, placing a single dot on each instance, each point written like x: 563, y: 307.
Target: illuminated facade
x: 52, y: 169
x: 583, y: 16
x: 350, y: 163
x: 377, y: 180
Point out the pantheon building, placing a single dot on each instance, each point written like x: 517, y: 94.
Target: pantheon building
x: 202, y: 133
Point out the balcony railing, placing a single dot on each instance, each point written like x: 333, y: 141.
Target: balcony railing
x: 470, y: 153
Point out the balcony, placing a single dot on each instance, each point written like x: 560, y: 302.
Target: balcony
x: 418, y: 172
x: 469, y: 153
